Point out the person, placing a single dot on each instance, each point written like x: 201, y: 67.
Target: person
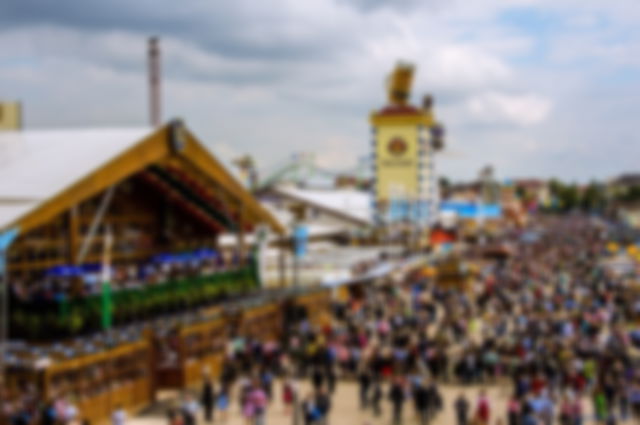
x: 376, y: 398
x: 323, y: 402
x: 208, y: 399
x: 48, y: 414
x: 364, y: 381
x: 119, y: 416
x: 483, y: 410
x: 310, y: 409
x: 514, y: 410
x: 190, y: 409
x: 71, y: 413
x: 600, y: 404
x: 288, y: 395
x: 397, y: 398
x: 566, y: 411
x: 577, y: 411
x: 462, y: 409
x: 317, y: 378
x: 174, y: 417
x: 267, y: 383
x: 422, y: 402
x: 222, y: 402
x: 257, y: 401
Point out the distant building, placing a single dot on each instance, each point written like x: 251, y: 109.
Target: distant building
x: 10, y: 116
x: 328, y: 212
x: 533, y: 192
x: 623, y: 186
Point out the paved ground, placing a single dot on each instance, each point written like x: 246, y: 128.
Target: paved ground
x: 345, y: 409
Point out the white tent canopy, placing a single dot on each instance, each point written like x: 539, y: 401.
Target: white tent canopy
x: 38, y: 165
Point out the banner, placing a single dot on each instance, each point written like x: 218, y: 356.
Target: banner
x: 397, y: 163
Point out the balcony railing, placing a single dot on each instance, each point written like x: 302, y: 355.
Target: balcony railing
x: 67, y: 317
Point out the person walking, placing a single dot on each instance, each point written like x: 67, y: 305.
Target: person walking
x: 317, y: 378
x: 119, y: 416
x: 190, y: 410
x: 257, y: 401
x: 483, y: 409
x: 323, y: 402
x: 514, y: 410
x: 397, y: 398
x: 222, y: 402
x: 311, y: 412
x: 376, y: 398
x: 364, y: 382
x: 422, y: 402
x: 289, y: 395
x: 461, y: 406
x: 208, y: 399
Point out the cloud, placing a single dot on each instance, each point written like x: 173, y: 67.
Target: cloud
x: 269, y: 78
x: 523, y: 110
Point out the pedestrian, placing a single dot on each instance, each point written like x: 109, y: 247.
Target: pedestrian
x: 376, y: 398
x: 222, y: 401
x: 483, y: 409
x: 364, y: 382
x: 317, y: 378
x: 257, y: 400
x: 190, y: 410
x: 397, y: 398
x: 311, y: 412
x: 119, y: 416
x: 208, y: 398
x: 514, y: 410
x: 175, y: 417
x: 267, y: 382
x: 422, y: 402
x: 289, y: 395
x: 462, y: 409
x: 323, y: 403
x: 600, y: 404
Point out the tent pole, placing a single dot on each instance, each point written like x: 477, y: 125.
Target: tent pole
x: 6, y: 239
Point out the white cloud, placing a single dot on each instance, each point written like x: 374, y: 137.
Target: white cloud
x: 225, y: 151
x: 497, y: 107
x: 338, y: 153
x: 282, y: 76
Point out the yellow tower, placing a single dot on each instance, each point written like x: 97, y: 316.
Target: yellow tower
x: 10, y: 116
x: 404, y: 140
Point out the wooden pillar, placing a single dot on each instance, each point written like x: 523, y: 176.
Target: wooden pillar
x: 282, y: 270
x: 73, y: 239
x: 241, y: 235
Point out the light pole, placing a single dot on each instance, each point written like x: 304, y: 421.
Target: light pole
x: 299, y: 236
x: 6, y: 239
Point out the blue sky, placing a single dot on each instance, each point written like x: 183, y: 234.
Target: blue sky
x: 535, y: 87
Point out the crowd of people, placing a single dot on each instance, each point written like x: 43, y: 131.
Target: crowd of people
x: 75, y: 281
x: 550, y: 325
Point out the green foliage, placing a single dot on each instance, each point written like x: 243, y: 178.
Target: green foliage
x: 569, y: 196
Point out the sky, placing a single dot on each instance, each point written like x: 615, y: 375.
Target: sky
x: 537, y: 88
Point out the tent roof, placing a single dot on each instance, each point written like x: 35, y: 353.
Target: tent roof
x: 352, y: 204
x: 38, y: 165
x: 42, y: 173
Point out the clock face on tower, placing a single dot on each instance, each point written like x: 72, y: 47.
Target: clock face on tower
x: 397, y: 146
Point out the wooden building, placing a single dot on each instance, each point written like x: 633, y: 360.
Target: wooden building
x: 152, y: 202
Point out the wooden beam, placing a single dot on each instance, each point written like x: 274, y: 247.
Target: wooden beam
x: 198, y: 155
x: 73, y: 235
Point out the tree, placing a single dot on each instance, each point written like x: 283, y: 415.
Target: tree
x: 593, y: 197
x: 444, y: 185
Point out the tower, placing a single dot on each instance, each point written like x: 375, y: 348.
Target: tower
x: 404, y: 140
